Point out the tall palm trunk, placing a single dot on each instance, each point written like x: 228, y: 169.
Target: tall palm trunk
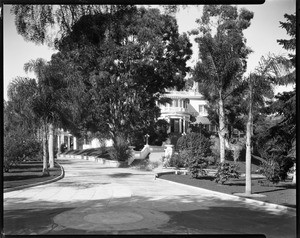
x: 45, y: 162
x: 248, y: 189
x: 50, y: 146
x: 222, y: 129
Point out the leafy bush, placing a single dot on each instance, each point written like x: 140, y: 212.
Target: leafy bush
x: 226, y: 171
x: 178, y: 160
x: 276, y: 169
x: 196, y: 143
x: 63, y: 147
x: 145, y: 165
x: 120, y: 151
x: 197, y: 166
x: 173, y: 138
x: 195, y: 153
x: 271, y: 170
x: 19, y: 145
x: 229, y: 155
x: 285, y: 164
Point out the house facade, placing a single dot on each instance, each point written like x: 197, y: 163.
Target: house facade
x: 186, y: 108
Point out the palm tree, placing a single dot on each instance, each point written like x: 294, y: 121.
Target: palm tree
x: 53, y: 102
x: 259, y: 88
x: 271, y: 71
x: 222, y: 57
x: 40, y: 108
x: 45, y: 105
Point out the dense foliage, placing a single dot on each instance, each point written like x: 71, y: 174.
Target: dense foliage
x: 194, y: 153
x: 20, y: 132
x: 225, y: 172
x: 125, y: 61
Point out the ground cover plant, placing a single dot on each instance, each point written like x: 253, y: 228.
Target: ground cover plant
x: 28, y: 173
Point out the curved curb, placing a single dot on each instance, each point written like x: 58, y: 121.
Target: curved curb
x: 39, y: 183
x: 252, y: 201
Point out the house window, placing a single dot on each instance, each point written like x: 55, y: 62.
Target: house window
x: 201, y: 109
x: 213, y: 128
x: 185, y: 103
x: 174, y: 125
x: 175, y: 103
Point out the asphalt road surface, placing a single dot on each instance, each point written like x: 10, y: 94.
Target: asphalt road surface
x: 91, y: 199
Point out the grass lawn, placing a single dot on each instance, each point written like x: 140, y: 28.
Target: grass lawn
x: 27, y: 173
x: 283, y: 193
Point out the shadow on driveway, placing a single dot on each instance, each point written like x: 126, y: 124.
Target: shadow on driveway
x: 188, y: 215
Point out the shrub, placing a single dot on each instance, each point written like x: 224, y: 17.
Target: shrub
x: 145, y: 165
x: 226, y: 171
x: 285, y: 164
x: 229, y: 155
x: 195, y: 152
x: 196, y: 143
x: 19, y: 145
x: 276, y: 169
x: 178, y: 160
x: 271, y: 169
x: 120, y: 151
x: 197, y: 166
x: 63, y: 147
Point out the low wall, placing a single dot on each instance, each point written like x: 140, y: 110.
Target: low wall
x: 101, y: 161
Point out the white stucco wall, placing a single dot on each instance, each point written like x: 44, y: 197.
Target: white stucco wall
x: 195, y: 104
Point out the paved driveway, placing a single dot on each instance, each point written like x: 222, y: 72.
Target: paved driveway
x: 95, y: 200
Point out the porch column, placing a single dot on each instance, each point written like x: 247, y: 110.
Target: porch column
x: 62, y: 137
x: 180, y: 125
x: 184, y: 126
x: 58, y: 143
x: 74, y: 143
x: 168, y: 120
x: 69, y: 142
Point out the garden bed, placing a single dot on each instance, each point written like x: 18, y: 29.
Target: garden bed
x: 283, y: 193
x: 28, y: 173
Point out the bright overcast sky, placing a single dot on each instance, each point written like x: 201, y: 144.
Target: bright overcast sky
x: 261, y: 36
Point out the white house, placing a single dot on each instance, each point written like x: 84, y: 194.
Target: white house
x: 184, y: 106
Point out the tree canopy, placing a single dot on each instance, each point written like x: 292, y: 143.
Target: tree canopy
x: 122, y: 62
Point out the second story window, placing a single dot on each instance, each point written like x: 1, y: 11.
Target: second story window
x: 175, y: 103
x: 202, y: 109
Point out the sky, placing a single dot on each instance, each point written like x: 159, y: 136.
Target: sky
x: 262, y: 36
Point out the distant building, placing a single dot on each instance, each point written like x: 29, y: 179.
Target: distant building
x: 184, y: 106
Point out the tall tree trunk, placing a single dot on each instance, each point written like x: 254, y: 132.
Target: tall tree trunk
x: 222, y: 129
x: 50, y: 146
x: 248, y: 189
x: 45, y: 162
x: 294, y: 174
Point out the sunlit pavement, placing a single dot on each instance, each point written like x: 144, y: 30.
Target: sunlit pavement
x: 95, y: 200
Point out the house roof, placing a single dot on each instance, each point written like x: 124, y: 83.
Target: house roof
x: 192, y: 110
x: 201, y: 120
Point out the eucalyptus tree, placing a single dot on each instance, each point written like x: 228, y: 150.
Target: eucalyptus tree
x: 124, y: 62
x: 222, y: 56
x: 45, y: 24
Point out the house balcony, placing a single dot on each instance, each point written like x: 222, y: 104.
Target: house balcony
x: 174, y: 110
